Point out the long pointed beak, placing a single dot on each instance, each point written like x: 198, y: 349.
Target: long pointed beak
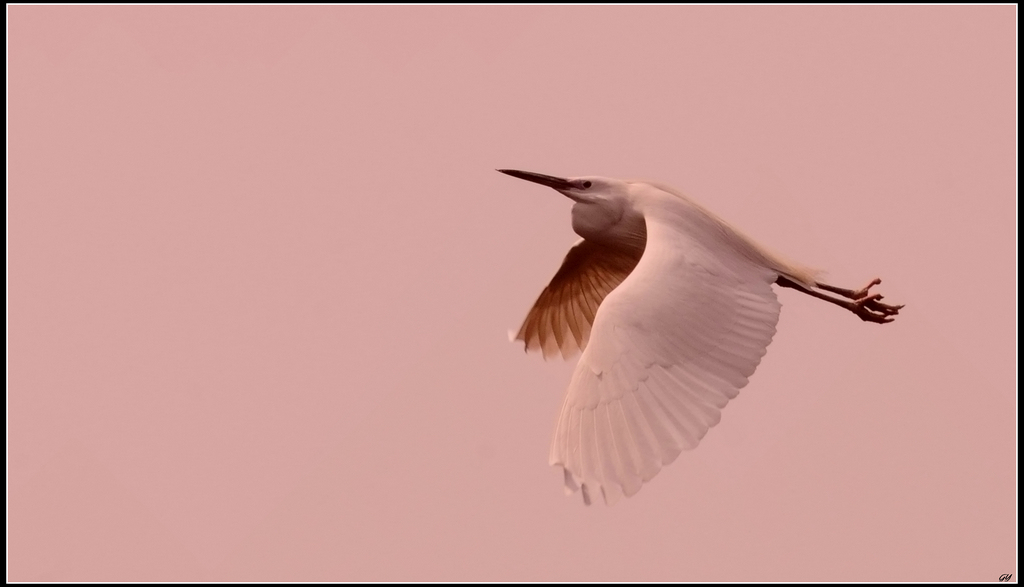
x: 549, y: 180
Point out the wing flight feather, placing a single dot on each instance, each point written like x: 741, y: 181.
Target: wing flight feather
x: 673, y: 336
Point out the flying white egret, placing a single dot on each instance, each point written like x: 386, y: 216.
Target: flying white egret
x: 673, y: 309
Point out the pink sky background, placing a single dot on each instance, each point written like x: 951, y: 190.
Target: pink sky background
x: 262, y: 272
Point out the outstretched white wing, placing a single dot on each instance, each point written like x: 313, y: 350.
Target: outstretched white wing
x: 669, y: 348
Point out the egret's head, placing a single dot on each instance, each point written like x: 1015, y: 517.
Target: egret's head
x: 573, y: 188
x: 600, y: 202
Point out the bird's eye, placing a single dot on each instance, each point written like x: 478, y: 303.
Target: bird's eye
x: 586, y: 185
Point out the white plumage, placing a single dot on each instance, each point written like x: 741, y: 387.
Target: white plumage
x: 673, y: 310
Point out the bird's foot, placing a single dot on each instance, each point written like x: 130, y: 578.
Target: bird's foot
x: 871, y: 301
x: 863, y: 292
x: 869, y: 309
x: 865, y: 305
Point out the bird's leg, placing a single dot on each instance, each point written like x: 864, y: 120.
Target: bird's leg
x: 849, y: 293
x: 866, y: 307
x: 872, y: 302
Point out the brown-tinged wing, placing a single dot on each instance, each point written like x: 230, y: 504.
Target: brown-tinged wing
x: 562, y: 316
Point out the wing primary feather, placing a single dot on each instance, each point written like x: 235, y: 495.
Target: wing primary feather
x: 588, y: 448
x: 541, y: 319
x: 571, y: 313
x: 588, y: 305
x: 667, y: 444
x: 628, y: 462
x: 597, y: 459
x: 681, y: 424
x: 574, y: 450
x: 646, y: 442
x: 557, y: 322
x: 602, y: 277
x: 593, y: 296
x: 611, y: 466
x: 561, y: 430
